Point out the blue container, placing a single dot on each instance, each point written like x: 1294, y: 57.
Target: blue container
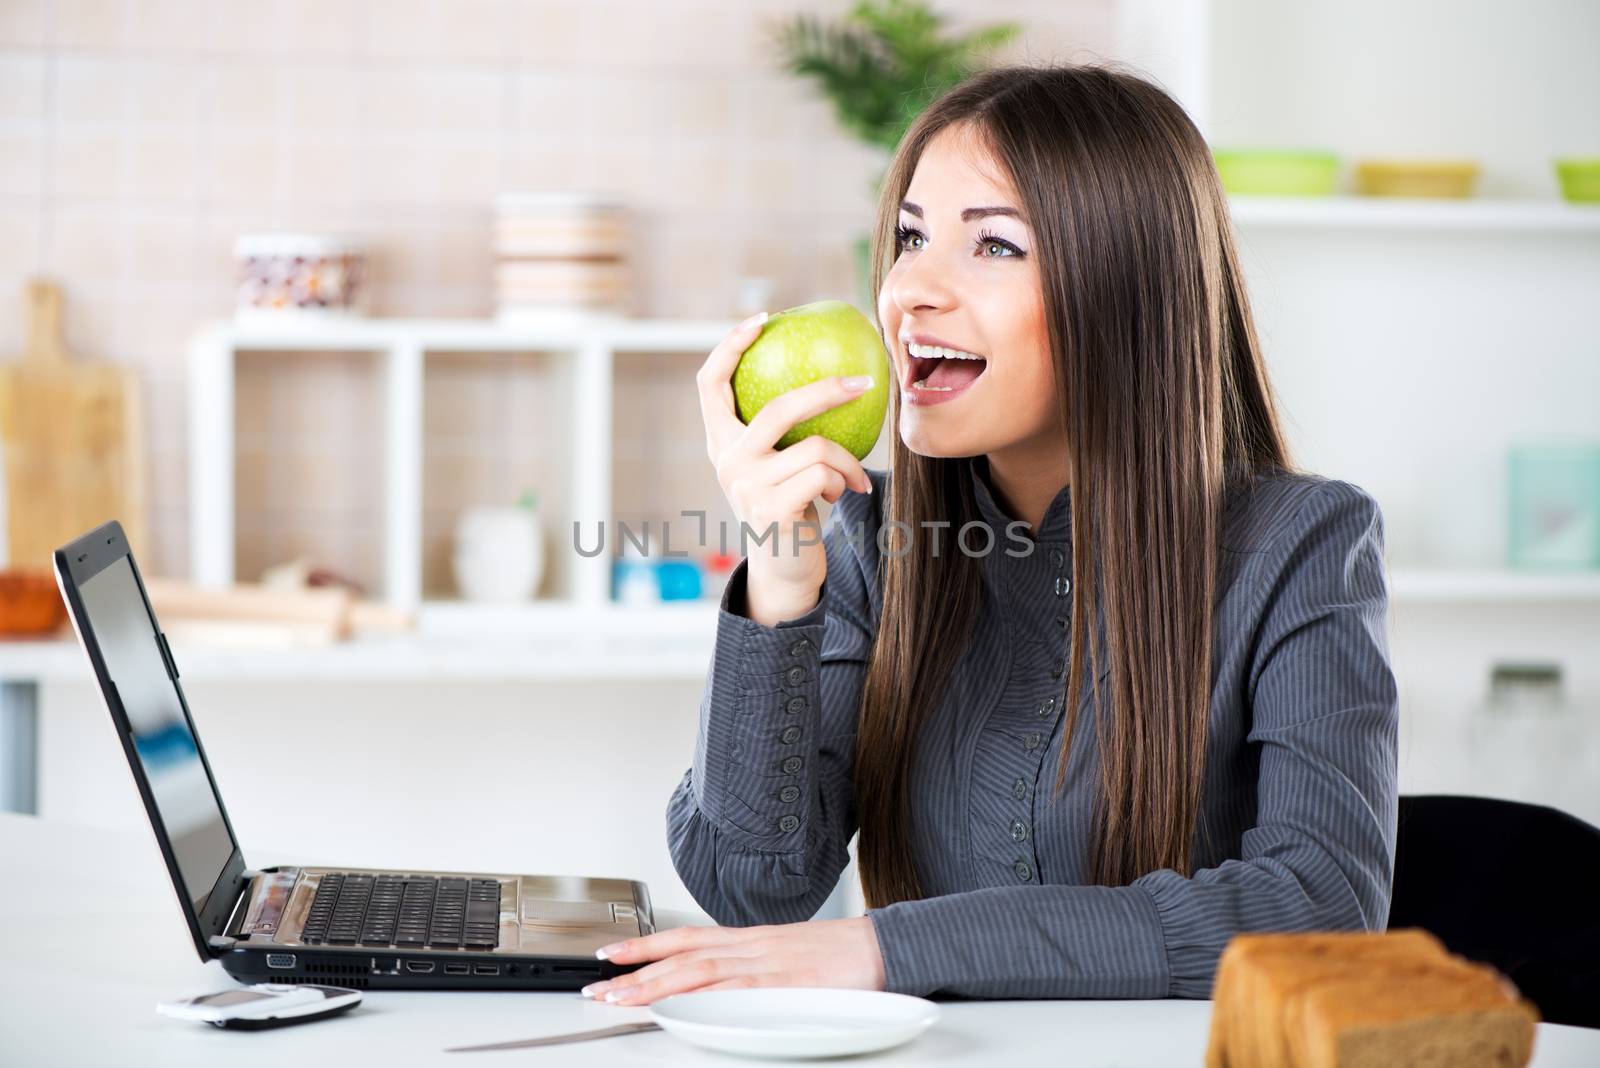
x: 1555, y: 505
x: 679, y: 579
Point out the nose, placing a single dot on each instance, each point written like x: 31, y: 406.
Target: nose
x: 919, y: 284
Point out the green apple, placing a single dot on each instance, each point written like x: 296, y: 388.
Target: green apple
x: 807, y: 343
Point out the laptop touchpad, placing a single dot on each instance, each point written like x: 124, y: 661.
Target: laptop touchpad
x: 566, y: 913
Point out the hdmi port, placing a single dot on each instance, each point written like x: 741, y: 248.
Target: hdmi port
x: 458, y: 969
x: 420, y: 967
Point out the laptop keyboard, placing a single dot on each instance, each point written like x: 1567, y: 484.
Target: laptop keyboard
x: 404, y: 910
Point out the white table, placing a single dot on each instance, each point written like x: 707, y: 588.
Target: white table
x: 92, y: 939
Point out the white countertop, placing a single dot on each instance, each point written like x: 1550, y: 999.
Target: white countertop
x: 93, y: 939
x: 672, y: 641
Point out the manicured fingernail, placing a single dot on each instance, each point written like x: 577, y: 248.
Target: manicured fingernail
x: 858, y: 382
x: 589, y: 990
x: 604, y: 952
x: 616, y: 995
x: 754, y: 320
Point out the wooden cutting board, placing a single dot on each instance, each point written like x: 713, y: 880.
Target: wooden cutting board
x: 72, y: 436
x: 249, y: 613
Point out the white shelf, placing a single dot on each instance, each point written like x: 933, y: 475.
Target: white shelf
x: 412, y: 657
x: 1422, y: 585
x: 608, y: 621
x: 359, y: 334
x: 673, y: 640
x: 1384, y: 213
x: 406, y: 345
x: 537, y: 640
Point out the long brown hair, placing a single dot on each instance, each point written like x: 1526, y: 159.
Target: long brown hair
x: 1160, y: 380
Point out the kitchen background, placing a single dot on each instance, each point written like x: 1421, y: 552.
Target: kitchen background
x: 1415, y: 345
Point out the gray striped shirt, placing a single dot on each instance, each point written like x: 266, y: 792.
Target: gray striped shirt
x: 1298, y: 805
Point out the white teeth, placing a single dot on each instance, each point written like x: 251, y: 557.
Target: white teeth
x: 931, y: 389
x: 927, y: 352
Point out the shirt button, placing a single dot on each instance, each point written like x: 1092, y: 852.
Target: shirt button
x: 790, y: 735
x: 799, y: 648
x: 796, y: 705
x: 789, y: 823
x: 1058, y: 667
x: 789, y: 794
x: 795, y: 675
x: 1019, y: 831
x: 1047, y: 706
x: 1056, y: 558
x: 791, y: 765
x: 1063, y: 585
x: 1024, y: 872
x: 1061, y: 624
x: 1019, y: 789
x: 1031, y: 741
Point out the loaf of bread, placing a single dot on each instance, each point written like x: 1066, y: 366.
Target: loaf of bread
x: 1395, y: 999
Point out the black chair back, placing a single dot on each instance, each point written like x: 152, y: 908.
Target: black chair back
x: 1510, y: 884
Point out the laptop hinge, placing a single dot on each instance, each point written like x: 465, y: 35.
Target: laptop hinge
x: 221, y: 943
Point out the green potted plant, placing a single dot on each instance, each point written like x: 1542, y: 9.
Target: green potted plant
x: 880, y: 65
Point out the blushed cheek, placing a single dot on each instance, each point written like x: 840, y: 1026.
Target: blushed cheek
x: 1042, y: 366
x: 1029, y: 401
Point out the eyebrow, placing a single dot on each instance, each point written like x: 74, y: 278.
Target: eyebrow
x: 968, y: 214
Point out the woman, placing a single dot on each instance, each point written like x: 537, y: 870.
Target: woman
x: 1233, y: 765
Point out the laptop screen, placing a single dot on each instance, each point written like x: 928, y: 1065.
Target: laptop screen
x: 188, y: 807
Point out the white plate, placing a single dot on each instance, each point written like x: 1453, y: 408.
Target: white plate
x: 795, y: 1021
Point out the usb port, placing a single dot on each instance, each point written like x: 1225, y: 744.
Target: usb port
x: 419, y: 967
x: 486, y: 969
x: 458, y: 969
x: 280, y: 960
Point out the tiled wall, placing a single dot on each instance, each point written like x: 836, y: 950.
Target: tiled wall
x: 139, y: 137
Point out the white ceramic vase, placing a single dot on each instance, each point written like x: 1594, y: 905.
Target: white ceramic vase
x: 499, y: 554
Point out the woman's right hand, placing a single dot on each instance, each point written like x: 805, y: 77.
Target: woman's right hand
x: 772, y: 489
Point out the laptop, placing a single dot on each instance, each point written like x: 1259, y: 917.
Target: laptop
x: 341, y: 924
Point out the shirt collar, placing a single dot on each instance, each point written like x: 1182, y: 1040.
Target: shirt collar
x: 1056, y: 525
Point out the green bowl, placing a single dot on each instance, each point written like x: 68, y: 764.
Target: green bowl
x: 1580, y: 179
x: 1277, y: 172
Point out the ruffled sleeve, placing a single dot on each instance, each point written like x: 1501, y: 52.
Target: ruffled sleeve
x: 758, y: 827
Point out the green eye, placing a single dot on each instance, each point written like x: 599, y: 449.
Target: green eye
x: 901, y: 233
x: 986, y: 240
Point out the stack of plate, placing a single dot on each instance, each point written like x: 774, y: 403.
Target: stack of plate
x: 559, y: 257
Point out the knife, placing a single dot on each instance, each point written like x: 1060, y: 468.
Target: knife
x: 637, y: 1027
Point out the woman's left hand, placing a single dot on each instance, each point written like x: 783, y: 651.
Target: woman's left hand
x: 837, y: 953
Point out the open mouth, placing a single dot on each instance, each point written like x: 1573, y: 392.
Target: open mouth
x: 933, y: 370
